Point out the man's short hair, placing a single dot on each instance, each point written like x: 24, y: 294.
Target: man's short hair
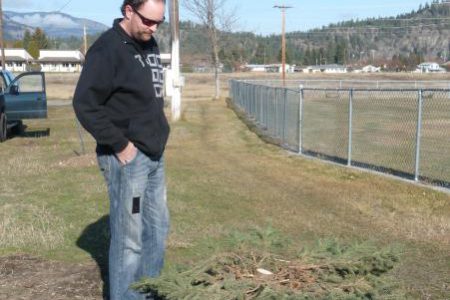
x: 136, y: 4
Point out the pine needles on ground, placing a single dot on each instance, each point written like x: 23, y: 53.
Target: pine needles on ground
x: 328, y: 271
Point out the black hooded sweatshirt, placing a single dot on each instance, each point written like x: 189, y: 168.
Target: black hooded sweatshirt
x: 118, y: 97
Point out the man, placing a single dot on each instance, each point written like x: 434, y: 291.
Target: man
x: 119, y: 101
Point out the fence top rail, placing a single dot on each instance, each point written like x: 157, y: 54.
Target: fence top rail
x: 350, y: 89
x: 374, y: 90
x: 340, y: 80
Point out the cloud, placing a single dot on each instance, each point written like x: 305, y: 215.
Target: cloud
x: 48, y: 20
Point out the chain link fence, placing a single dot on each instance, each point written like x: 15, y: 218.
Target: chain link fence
x: 347, y: 84
x: 403, y: 132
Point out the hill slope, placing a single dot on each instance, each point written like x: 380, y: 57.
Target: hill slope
x: 54, y: 24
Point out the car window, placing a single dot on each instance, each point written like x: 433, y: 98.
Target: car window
x: 9, y: 77
x: 30, y: 83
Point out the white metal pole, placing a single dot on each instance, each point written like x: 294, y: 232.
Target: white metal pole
x: 418, y: 134
x: 84, y: 39
x: 300, y: 121
x: 350, y: 128
x: 175, y: 61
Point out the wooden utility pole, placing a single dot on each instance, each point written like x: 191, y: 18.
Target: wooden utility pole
x: 175, y: 60
x: 283, y: 40
x: 1, y: 37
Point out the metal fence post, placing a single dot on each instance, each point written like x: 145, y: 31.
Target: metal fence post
x: 350, y: 127
x: 266, y: 108
x: 300, y: 120
x: 283, y: 130
x: 276, y: 129
x: 80, y: 135
x: 418, y: 134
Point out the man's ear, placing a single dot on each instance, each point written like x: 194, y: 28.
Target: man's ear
x: 128, y: 12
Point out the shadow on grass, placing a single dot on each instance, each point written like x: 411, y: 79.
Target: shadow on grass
x: 95, y: 240
x: 21, y: 132
x: 36, y: 133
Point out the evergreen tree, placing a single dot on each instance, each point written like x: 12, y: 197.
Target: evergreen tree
x: 307, y: 57
x: 288, y: 56
x: 331, y: 53
x: 40, y: 38
x: 340, y: 53
x: 33, y: 49
x: 260, y: 54
x: 18, y: 44
x: 26, y: 38
x: 34, y: 42
x: 314, y: 57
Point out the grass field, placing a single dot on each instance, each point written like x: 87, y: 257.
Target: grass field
x: 223, y: 184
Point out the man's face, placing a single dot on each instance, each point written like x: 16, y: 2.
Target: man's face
x: 144, y: 20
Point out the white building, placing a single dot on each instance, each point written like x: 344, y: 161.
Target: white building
x: 370, y: 69
x: 331, y: 69
x: 61, y: 60
x: 429, y: 67
x: 17, y: 60
x: 278, y: 68
x: 254, y: 68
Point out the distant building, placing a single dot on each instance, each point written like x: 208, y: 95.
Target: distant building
x: 278, y: 68
x: 331, y: 69
x: 206, y: 68
x: 370, y: 69
x: 429, y: 67
x: 17, y: 60
x: 254, y: 68
x: 61, y: 60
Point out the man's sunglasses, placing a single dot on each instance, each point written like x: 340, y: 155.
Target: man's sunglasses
x: 148, y: 22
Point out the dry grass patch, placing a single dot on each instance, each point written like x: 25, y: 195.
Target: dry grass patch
x: 61, y: 86
x: 30, y: 227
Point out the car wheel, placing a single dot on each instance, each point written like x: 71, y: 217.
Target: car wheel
x: 3, y: 127
x: 18, y: 129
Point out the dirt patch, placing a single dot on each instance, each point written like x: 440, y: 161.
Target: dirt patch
x: 27, y: 277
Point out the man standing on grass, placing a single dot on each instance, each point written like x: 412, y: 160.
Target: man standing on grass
x: 119, y: 101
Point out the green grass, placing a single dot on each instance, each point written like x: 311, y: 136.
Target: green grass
x: 384, y: 126
x: 222, y: 180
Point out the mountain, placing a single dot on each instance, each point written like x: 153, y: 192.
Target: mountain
x: 417, y: 35
x: 400, y: 42
x: 54, y: 24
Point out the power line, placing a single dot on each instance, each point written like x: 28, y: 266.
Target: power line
x: 64, y: 6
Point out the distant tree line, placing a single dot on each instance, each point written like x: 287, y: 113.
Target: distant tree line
x: 33, y: 42
x: 396, y: 44
x: 38, y: 40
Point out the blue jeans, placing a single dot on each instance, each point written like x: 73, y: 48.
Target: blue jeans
x: 139, y: 221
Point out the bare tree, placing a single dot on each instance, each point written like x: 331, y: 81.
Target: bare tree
x: 213, y: 15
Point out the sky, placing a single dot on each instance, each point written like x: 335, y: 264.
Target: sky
x: 257, y: 16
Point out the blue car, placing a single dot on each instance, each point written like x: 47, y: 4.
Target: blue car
x: 21, y: 97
